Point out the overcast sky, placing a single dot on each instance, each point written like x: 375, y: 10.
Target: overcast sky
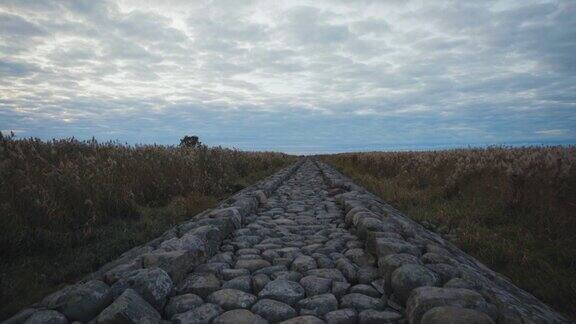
x: 296, y: 76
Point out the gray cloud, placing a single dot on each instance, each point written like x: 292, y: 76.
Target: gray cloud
x: 298, y: 76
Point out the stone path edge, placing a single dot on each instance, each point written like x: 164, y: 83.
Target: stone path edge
x: 514, y: 305
x: 175, y: 252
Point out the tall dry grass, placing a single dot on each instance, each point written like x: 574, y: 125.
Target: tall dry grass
x: 512, y: 208
x: 67, y: 206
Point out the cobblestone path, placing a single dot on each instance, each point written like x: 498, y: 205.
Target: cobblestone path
x: 305, y: 245
x: 295, y: 262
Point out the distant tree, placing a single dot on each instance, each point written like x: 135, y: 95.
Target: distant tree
x: 190, y: 141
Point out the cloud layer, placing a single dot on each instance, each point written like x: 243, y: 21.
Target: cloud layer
x: 297, y: 76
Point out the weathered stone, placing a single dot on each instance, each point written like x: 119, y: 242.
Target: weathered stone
x: 318, y: 305
x: 203, y: 314
x: 371, y: 237
x: 227, y: 257
x: 303, y: 263
x: 387, y: 246
x: 273, y: 310
x: 314, y: 285
x: 261, y: 197
x: 243, y: 283
x: 437, y: 258
x: 366, y: 224
x: 21, y: 316
x: 86, y: 301
x: 459, y: 283
x: 366, y: 275
x: 324, y: 262
x: 455, y: 315
x: 239, y: 316
x: 119, y: 271
x: 232, y: 214
x: 259, y: 281
x: 351, y: 214
x: 309, y: 249
x: 248, y: 251
x: 283, y: 290
x: 249, y: 257
x: 425, y: 298
x: 201, y: 284
x: 340, y: 289
x: 342, y: 316
x: 213, y: 267
x: 271, y: 269
x: 371, y: 316
x: 444, y: 271
x: 359, y: 257
x: 347, y: 268
x: 182, y: 303
x: 190, y: 243
x: 252, y: 265
x: 365, y: 290
x: 210, y: 235
x: 389, y: 263
x: 333, y: 274
x: 176, y: 263
x: 229, y: 274
x: 231, y: 299
x: 271, y: 256
x: 154, y: 285
x: 46, y: 317
x: 411, y: 276
x: 288, y: 275
x: 128, y: 308
x: 306, y: 319
x: 362, y: 302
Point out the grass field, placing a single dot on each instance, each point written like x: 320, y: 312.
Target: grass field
x: 512, y: 208
x: 69, y: 206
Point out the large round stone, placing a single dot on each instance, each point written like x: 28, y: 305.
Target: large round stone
x: 455, y: 315
x: 365, y: 290
x: 252, y: 264
x: 154, y: 285
x: 411, y: 276
x: 273, y: 310
x: 318, y: 305
x: 391, y: 262
x: 86, y: 301
x: 201, y: 284
x: 342, y: 316
x: 330, y: 273
x: 229, y: 274
x: 340, y: 289
x: 315, y: 285
x: 259, y: 281
x: 371, y: 316
x: 303, y: 263
x: 182, y: 303
x: 361, y: 302
x: 243, y: 283
x: 46, y: 316
x: 239, y: 316
x: 306, y: 319
x: 232, y: 299
x: 425, y: 298
x: 203, y: 314
x: 283, y: 290
x: 129, y: 307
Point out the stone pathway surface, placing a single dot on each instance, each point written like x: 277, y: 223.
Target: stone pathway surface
x: 303, y: 246
x: 293, y: 262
